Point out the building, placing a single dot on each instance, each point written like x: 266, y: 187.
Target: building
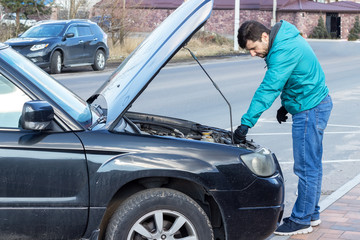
x: 304, y: 14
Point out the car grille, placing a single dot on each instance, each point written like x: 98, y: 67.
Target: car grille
x: 18, y: 48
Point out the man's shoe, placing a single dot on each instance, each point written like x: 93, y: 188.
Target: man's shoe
x: 315, y: 223
x: 292, y: 228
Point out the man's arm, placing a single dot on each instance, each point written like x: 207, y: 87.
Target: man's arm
x: 282, y: 63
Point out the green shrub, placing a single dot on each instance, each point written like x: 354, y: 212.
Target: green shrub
x: 320, y: 30
x: 355, y: 31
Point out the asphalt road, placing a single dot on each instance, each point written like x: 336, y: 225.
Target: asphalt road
x: 183, y: 90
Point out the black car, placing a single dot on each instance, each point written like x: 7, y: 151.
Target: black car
x: 72, y: 169
x: 64, y: 43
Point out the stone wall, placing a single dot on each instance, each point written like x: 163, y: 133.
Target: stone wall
x: 304, y: 21
x: 347, y: 23
x: 222, y: 21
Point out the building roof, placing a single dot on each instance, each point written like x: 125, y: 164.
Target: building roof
x: 310, y: 6
x: 282, y: 5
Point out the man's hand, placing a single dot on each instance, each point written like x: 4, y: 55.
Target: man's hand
x: 240, y: 134
x: 281, y: 114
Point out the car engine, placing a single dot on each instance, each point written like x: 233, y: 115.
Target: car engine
x: 174, y: 127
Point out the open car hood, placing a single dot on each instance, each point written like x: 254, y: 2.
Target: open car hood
x: 139, y: 68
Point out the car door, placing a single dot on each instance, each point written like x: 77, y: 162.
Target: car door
x: 74, y: 47
x: 90, y: 42
x: 43, y: 179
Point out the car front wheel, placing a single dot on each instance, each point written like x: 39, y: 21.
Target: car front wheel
x: 56, y: 63
x: 100, y: 61
x: 159, y: 214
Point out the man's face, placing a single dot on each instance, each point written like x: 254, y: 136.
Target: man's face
x: 260, y: 47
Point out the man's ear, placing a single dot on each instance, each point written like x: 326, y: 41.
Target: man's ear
x: 265, y: 37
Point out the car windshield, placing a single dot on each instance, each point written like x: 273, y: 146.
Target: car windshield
x: 68, y: 101
x: 44, y: 30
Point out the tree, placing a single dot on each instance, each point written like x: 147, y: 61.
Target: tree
x: 320, y: 30
x: 119, y: 17
x: 26, y: 7
x: 74, y: 7
x: 355, y: 31
x: 71, y: 9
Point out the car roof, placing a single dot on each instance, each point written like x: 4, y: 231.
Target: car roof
x: 65, y: 22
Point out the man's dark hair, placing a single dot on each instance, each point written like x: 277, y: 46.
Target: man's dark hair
x: 250, y: 30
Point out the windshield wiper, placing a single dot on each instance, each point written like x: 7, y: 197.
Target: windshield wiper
x: 217, y: 88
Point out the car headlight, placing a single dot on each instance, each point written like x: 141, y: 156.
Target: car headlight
x: 261, y: 162
x: 39, y: 46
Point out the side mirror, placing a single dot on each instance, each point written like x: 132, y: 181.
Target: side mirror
x: 69, y: 35
x: 36, y: 115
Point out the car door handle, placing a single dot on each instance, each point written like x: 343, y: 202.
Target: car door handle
x: 81, y: 41
x: 95, y: 39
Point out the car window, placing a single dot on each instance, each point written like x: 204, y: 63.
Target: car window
x: 12, y: 100
x: 84, y: 31
x: 45, y: 30
x: 72, y: 104
x: 73, y: 29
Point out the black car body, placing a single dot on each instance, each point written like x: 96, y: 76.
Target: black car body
x: 64, y: 43
x: 72, y: 169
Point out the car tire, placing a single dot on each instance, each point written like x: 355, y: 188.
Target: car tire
x: 178, y: 214
x: 56, y: 63
x: 99, y: 61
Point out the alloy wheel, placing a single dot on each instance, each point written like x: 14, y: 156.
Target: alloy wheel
x: 163, y: 225
x: 100, y: 60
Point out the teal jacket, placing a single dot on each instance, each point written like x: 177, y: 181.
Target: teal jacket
x: 294, y: 71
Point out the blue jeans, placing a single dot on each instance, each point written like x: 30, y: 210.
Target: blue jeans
x: 307, y: 134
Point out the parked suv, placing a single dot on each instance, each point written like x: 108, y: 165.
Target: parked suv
x: 65, y: 43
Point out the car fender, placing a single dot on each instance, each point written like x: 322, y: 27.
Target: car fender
x: 102, y: 47
x: 123, y: 169
x: 123, y: 174
x: 57, y: 48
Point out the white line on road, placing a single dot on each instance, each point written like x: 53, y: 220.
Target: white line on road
x: 328, y: 161
x: 329, y: 124
x: 289, y: 133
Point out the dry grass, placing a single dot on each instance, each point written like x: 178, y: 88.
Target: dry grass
x: 202, y: 44
x: 203, y: 49
x: 120, y: 52
x: 6, y: 33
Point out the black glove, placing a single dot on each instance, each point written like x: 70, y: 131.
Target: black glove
x: 240, y: 134
x: 281, y: 115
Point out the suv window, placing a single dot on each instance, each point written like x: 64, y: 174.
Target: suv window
x: 12, y: 99
x: 84, y: 31
x: 73, y: 29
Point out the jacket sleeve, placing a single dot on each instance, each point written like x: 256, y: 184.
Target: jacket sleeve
x: 281, y: 64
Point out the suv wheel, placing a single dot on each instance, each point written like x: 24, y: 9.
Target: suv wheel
x: 99, y: 63
x: 56, y: 63
x: 159, y: 214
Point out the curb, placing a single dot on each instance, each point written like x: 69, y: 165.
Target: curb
x: 324, y: 204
